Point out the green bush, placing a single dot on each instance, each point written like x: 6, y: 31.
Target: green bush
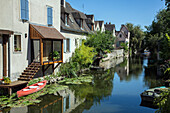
x: 82, y: 58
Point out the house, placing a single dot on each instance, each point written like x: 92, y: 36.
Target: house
x: 99, y: 26
x: 110, y: 27
x: 75, y: 25
x: 30, y: 40
x: 122, y: 36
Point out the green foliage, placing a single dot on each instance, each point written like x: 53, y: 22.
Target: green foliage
x: 54, y: 55
x: 136, y: 37
x: 101, y: 41
x: 82, y: 58
x: 31, y: 99
x: 34, y: 81
x: 124, y: 46
x: 75, y: 81
x: 84, y: 55
x: 156, y: 34
x: 165, y: 48
x: 164, y: 102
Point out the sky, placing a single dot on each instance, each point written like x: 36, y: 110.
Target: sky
x: 138, y: 12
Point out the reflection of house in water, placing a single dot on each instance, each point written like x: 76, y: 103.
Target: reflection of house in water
x: 70, y: 102
x: 123, y: 69
x: 62, y: 102
x: 111, y: 63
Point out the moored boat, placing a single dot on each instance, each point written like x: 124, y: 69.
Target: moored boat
x: 31, y: 89
x: 151, y: 94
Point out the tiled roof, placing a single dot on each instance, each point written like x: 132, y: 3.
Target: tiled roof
x: 48, y: 32
x: 72, y: 24
x: 109, y: 27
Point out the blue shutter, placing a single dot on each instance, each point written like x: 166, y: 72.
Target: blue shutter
x: 80, y: 42
x: 26, y: 10
x: 65, y: 46
x: 50, y: 15
x: 69, y: 45
x: 23, y: 7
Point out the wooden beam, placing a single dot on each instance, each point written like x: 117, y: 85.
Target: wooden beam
x: 5, y: 40
x: 41, y: 51
x: 57, y: 66
x: 52, y: 62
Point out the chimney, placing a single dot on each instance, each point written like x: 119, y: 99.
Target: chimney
x: 109, y: 22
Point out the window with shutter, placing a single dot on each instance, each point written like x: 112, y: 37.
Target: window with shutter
x: 50, y: 15
x: 24, y: 9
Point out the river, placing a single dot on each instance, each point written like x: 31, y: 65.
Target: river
x: 116, y: 89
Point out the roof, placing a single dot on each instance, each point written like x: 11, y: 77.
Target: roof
x: 90, y: 16
x: 48, y: 32
x: 109, y: 27
x: 100, y: 23
x: 72, y: 23
x: 117, y: 33
x: 78, y: 15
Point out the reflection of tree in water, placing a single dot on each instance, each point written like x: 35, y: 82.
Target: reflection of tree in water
x: 151, y: 80
x: 94, y: 93
x: 135, y: 68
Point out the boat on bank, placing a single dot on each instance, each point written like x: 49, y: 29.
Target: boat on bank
x: 31, y: 89
x: 151, y: 94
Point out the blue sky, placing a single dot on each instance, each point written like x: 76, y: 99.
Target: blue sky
x: 138, y: 12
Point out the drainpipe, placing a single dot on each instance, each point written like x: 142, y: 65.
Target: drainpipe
x: 9, y: 56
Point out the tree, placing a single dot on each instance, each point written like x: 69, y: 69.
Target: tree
x: 101, y: 41
x: 156, y: 34
x: 136, y: 37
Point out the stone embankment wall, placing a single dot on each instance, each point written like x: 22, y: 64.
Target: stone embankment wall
x: 114, y: 54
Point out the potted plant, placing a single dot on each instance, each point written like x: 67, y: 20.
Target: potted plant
x: 55, y: 55
x: 6, y: 80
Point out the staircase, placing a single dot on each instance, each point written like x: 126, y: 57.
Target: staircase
x: 30, y: 72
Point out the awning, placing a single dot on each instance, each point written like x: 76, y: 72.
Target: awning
x: 6, y: 32
x: 37, y: 32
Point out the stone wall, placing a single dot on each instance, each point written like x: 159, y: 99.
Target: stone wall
x: 114, y: 54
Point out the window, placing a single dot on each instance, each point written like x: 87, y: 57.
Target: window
x: 120, y: 35
x: 17, y: 42
x: 50, y: 16
x: 71, y: 19
x: 24, y: 10
x: 76, y: 43
x: 67, y: 45
x: 66, y: 19
x: 81, y: 23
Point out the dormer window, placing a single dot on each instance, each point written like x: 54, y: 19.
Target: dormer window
x: 81, y: 23
x: 66, y: 19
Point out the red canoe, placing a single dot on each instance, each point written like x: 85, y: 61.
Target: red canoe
x: 31, y: 89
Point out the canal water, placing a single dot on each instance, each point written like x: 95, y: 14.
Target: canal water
x: 116, y: 89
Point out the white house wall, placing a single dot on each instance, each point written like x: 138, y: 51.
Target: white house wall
x: 73, y: 37
x: 11, y: 20
x: 38, y: 12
